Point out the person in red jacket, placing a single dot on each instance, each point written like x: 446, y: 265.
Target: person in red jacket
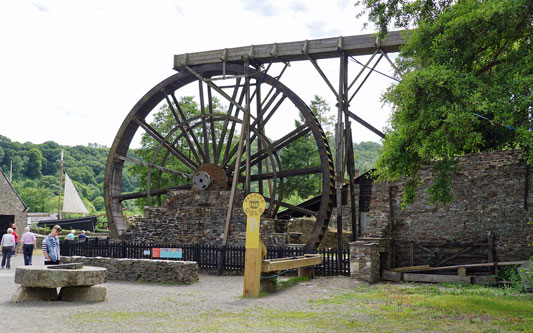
x: 14, y: 227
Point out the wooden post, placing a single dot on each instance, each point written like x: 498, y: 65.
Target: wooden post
x: 60, y: 186
x: 232, y: 195
x: 490, y: 249
x: 490, y: 241
x: 339, y: 150
x: 412, y: 254
x: 253, y: 206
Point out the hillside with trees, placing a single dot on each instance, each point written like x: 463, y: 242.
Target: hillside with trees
x: 35, y: 170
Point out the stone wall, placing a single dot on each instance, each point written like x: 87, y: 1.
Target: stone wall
x: 11, y: 204
x: 493, y: 193
x: 145, y: 270
x: 199, y: 217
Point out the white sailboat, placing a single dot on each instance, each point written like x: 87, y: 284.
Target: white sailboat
x: 72, y: 202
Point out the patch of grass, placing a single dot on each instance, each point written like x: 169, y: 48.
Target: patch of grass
x: 416, y: 307
x: 381, y: 307
x: 282, y: 284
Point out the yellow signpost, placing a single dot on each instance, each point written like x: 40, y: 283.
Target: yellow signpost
x: 253, y: 206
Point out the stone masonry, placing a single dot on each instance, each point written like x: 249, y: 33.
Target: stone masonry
x: 11, y: 204
x: 493, y: 194
x: 199, y: 217
x: 145, y: 270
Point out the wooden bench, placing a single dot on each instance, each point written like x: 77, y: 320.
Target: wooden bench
x: 270, y: 268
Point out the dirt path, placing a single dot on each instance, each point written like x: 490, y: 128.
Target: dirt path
x: 157, y: 307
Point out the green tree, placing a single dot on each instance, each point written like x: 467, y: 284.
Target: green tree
x: 36, y: 198
x: 366, y: 155
x: 297, y: 155
x: 33, y: 166
x: 467, y: 87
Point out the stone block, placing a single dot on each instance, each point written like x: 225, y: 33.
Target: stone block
x: 28, y: 294
x: 42, y: 277
x: 83, y: 294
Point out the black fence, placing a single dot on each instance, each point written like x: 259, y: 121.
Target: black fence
x: 206, y: 256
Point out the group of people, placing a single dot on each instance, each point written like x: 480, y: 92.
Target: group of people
x: 9, y: 243
x: 50, y: 245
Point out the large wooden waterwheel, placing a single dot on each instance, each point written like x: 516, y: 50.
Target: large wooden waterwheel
x: 205, y: 144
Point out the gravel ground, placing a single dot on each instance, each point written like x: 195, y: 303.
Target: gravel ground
x: 148, y: 307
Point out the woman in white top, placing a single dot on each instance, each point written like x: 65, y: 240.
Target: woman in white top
x: 8, y: 244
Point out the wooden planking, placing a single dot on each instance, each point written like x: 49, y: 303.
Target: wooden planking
x: 293, y: 51
x: 280, y: 264
x: 410, y: 268
x: 435, y: 278
x: 488, y: 264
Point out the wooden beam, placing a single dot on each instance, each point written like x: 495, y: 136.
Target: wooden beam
x: 295, y: 51
x: 410, y: 268
x: 412, y: 277
x: 488, y: 264
x: 280, y: 264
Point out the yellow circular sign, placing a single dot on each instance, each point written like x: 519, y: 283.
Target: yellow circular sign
x: 253, y: 205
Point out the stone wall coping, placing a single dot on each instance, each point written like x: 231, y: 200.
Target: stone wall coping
x: 173, y: 262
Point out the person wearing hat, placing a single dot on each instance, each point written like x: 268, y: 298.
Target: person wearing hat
x: 51, y: 247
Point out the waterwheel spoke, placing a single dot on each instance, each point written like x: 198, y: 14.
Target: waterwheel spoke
x: 266, y: 114
x: 229, y: 151
x: 212, y: 122
x: 292, y: 207
x: 204, y: 125
x: 278, y: 144
x: 159, y: 138
x: 226, y: 122
x: 184, y: 130
x: 215, y: 87
x: 187, y: 128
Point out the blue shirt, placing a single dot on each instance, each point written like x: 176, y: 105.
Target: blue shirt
x: 51, y: 247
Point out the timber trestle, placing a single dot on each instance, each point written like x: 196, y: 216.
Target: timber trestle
x: 228, y: 143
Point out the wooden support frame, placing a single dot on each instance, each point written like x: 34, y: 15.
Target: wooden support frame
x: 292, y: 51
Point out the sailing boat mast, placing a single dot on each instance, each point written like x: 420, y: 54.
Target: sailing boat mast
x: 60, y: 186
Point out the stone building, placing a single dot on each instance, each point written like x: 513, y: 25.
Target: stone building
x: 12, y: 208
x: 489, y: 219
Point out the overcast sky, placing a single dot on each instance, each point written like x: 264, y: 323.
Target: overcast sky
x: 70, y: 71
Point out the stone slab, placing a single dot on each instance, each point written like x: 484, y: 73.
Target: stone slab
x: 26, y: 294
x: 83, y: 294
x: 42, y: 277
x: 66, y: 266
